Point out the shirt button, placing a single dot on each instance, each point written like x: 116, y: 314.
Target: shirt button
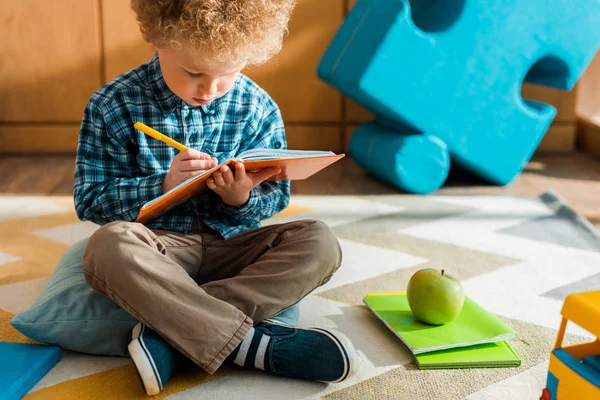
x: 277, y: 145
x: 193, y: 138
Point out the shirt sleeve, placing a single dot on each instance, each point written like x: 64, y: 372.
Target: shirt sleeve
x: 107, y: 182
x: 270, y: 197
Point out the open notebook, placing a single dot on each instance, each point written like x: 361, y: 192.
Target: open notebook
x: 294, y: 164
x: 476, y: 338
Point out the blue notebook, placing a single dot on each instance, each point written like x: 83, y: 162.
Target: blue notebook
x: 22, y: 366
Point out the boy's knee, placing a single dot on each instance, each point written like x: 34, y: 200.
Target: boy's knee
x: 328, y: 248
x: 107, y: 236
x: 106, y: 245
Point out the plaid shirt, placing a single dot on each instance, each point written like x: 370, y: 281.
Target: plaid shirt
x: 119, y: 169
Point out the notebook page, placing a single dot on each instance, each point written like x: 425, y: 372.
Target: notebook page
x: 273, y: 154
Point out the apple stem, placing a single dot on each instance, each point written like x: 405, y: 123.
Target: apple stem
x: 442, y: 272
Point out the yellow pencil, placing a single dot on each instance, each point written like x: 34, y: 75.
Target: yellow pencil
x: 159, y: 136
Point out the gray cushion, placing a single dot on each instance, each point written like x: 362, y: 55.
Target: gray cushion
x: 70, y: 314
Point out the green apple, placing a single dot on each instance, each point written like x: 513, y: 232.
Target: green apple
x: 434, y: 297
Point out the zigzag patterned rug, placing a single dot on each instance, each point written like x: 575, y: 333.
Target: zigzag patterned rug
x: 517, y: 257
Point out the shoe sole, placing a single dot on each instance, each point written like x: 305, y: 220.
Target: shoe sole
x: 145, y: 367
x: 344, y: 345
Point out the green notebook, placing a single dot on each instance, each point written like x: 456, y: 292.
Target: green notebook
x: 499, y: 354
x: 476, y: 338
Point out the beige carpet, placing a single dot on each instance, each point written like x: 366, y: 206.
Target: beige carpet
x: 517, y: 257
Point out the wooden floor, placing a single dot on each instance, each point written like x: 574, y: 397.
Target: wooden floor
x: 575, y: 176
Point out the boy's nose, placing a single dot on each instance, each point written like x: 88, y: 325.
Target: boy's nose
x: 209, y: 88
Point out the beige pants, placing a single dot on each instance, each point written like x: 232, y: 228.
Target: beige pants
x: 202, y: 293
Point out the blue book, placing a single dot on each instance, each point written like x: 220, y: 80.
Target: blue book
x: 22, y: 366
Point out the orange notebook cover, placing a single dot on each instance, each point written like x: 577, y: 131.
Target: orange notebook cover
x: 294, y: 164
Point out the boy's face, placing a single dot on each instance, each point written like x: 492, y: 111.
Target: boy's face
x: 193, y: 80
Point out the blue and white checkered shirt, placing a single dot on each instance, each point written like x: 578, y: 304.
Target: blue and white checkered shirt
x: 119, y: 169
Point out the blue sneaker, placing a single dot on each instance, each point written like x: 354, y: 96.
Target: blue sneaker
x: 154, y: 359
x: 314, y: 354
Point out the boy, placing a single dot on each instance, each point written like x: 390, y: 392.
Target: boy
x: 205, y: 279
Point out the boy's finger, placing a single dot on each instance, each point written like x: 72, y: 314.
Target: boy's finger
x: 191, y: 154
x: 211, y: 184
x: 184, y: 176
x: 240, y: 172
x: 227, y: 174
x: 264, y: 174
x: 195, y: 165
x: 218, y: 177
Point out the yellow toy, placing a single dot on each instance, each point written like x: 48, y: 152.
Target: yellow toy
x: 574, y: 371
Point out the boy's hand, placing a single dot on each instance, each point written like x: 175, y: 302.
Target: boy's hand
x: 234, y: 189
x: 186, y: 164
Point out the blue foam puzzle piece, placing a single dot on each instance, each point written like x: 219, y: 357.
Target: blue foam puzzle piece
x: 418, y: 162
x: 453, y: 70
x: 593, y: 361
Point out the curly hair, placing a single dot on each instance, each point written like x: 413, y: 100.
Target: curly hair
x: 248, y: 31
